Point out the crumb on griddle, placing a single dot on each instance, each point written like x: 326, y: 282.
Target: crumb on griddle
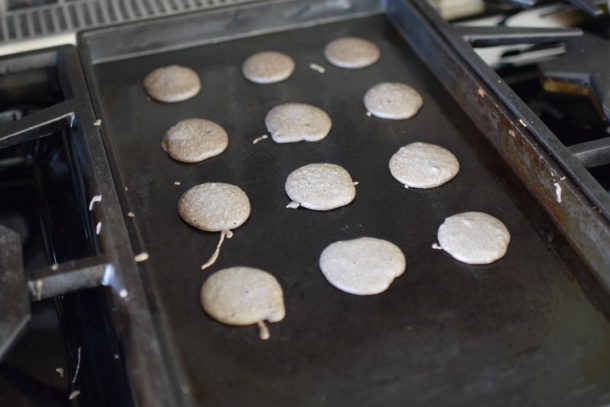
x: 96, y: 198
x: 77, y: 365
x: 141, y: 257
x: 317, y: 67
x: 557, y: 191
x: 38, y: 289
x: 263, y: 137
x: 177, y: 183
x: 293, y: 205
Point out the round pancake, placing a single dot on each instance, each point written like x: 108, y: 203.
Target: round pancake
x: 351, y: 52
x: 363, y: 266
x: 214, y: 207
x: 268, y: 67
x: 423, y: 165
x: 172, y: 84
x: 320, y: 187
x: 194, y: 140
x: 243, y: 296
x: 294, y: 122
x: 474, y: 237
x: 393, y: 100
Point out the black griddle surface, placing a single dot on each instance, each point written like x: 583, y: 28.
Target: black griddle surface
x: 516, y: 332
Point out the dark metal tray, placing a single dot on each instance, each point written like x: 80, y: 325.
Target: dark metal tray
x: 526, y: 330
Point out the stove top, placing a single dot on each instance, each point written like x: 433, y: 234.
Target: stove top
x: 62, y: 345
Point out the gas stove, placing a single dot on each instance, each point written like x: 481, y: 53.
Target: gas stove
x: 46, y: 176
x: 83, y: 323
x: 556, y: 69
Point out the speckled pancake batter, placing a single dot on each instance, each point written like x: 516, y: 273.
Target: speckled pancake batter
x: 243, y: 296
x: 172, y: 84
x: 352, y: 52
x: 393, y: 100
x: 194, y: 140
x: 423, y: 165
x: 215, y: 207
x: 294, y: 122
x: 363, y: 266
x: 474, y: 237
x: 268, y: 67
x: 320, y: 187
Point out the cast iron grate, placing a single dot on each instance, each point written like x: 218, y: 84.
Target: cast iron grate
x: 24, y: 20
x: 572, y: 69
x: 592, y: 7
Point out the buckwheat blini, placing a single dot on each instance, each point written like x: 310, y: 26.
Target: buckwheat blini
x: 474, y: 237
x: 423, y: 165
x: 393, y: 100
x: 320, y: 187
x: 215, y: 207
x: 268, y: 67
x: 194, y: 140
x: 243, y: 296
x: 352, y: 52
x: 363, y: 266
x: 172, y: 84
x: 294, y: 122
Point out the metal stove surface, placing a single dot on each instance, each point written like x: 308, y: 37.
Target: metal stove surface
x: 428, y: 331
x: 28, y: 373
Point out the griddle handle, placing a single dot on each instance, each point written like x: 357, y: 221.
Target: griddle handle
x: 64, y: 278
